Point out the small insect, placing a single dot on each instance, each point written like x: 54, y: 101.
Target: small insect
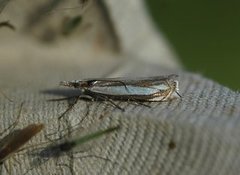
x: 58, y: 149
x: 16, y: 139
x: 149, y: 89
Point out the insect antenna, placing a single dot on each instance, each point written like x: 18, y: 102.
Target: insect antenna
x: 178, y: 94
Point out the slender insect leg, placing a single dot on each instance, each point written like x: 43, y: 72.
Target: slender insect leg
x: 41, y: 160
x: 135, y: 102
x: 4, y: 95
x: 65, y: 165
x: 110, y: 101
x: 70, y: 167
x: 69, y: 154
x: 13, y: 125
x: 61, y: 132
x: 75, y: 102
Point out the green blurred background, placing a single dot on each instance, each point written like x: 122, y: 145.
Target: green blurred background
x: 205, y: 34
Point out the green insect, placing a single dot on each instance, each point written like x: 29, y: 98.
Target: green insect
x: 58, y: 149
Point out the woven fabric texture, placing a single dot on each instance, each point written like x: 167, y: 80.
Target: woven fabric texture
x: 196, y: 135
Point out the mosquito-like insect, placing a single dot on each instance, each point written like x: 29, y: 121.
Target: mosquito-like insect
x: 149, y: 89
x: 57, y: 150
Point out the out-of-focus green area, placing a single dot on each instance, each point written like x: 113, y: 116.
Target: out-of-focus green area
x: 205, y: 34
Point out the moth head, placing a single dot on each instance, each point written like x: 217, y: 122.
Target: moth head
x: 175, y: 86
x: 74, y: 84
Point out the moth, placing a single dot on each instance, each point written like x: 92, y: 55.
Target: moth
x: 148, y: 89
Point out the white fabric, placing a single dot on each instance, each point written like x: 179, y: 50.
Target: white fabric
x: 196, y: 135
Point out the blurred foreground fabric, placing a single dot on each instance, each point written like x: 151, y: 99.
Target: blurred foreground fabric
x: 196, y: 135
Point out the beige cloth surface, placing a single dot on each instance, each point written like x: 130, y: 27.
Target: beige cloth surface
x: 196, y: 135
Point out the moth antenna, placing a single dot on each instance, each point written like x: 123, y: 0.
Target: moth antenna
x: 178, y: 93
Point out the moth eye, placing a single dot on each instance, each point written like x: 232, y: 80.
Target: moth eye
x: 90, y: 83
x: 175, y: 84
x: 75, y: 84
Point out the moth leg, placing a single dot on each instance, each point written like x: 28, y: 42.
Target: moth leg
x: 110, y: 101
x: 75, y: 102
x: 135, y: 102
